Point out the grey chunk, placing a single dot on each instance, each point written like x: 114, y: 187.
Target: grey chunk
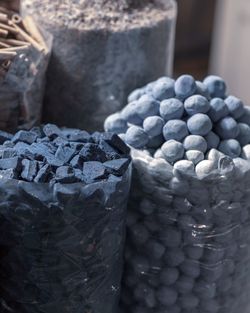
x: 114, y: 179
x: 115, y: 141
x: 117, y: 167
x: 4, y: 136
x: 21, y: 148
x: 41, y: 151
x: 76, y: 135
x: 51, y: 131
x: 77, y: 161
x: 8, y: 174
x: 43, y: 174
x: 14, y: 163
x: 93, y: 171
x: 92, y: 152
x: 60, y: 141
x: 76, y: 145
x: 38, y: 131
x: 8, y: 144
x: 78, y: 174
x: 8, y: 153
x: 64, y: 153
x: 24, y: 136
x: 29, y: 170
x: 65, y: 174
x: 110, y: 152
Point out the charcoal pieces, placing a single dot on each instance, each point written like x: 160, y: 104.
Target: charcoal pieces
x: 29, y: 169
x: 43, y: 174
x: 50, y: 154
x: 93, y: 171
x: 64, y: 153
x: 51, y: 131
x: 117, y: 166
x: 63, y: 204
x: 24, y: 136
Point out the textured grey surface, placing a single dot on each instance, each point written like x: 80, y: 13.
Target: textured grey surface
x: 100, y: 55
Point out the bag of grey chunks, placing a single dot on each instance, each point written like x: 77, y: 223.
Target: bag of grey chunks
x: 188, y: 234
x: 24, y: 56
x: 62, y: 220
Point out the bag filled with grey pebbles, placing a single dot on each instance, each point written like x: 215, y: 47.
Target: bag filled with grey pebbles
x: 102, y: 50
x: 188, y: 240
x: 24, y: 56
x: 62, y: 220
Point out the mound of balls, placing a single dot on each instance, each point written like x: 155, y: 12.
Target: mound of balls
x: 188, y: 238
x: 184, y: 120
x: 52, y: 155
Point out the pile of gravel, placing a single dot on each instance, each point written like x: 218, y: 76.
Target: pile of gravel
x: 62, y: 217
x: 52, y: 155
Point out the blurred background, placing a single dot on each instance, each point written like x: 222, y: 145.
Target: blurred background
x: 212, y: 36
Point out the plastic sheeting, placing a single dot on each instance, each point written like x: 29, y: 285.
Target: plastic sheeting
x: 61, y: 246
x: 22, y: 87
x: 188, y: 240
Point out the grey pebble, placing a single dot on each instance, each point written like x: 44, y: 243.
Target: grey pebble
x: 169, y: 276
x: 174, y: 256
x: 190, y: 268
x: 166, y: 295
x: 185, y: 284
x: 195, y: 156
x: 155, y: 249
x: 139, y: 233
x: 189, y: 301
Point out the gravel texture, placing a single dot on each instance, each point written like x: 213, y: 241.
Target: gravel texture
x: 102, y: 51
x: 52, y: 155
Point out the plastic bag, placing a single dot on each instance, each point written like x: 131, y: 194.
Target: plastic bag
x: 22, y: 81
x: 61, y: 247
x: 188, y: 241
x: 102, y: 51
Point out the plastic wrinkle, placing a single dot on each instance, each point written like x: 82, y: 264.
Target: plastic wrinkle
x: 62, y: 246
x: 191, y: 236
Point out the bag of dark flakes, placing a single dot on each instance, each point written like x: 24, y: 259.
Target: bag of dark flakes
x: 62, y: 219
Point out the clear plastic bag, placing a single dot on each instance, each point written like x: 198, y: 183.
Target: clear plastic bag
x: 188, y: 239
x: 22, y: 85
x: 102, y: 51
x: 61, y: 246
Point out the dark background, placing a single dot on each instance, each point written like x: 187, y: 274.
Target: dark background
x: 193, y: 37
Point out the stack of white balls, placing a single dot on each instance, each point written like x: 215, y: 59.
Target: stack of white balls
x: 185, y: 120
x: 188, y: 242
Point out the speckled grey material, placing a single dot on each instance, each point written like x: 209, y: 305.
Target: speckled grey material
x: 101, y: 53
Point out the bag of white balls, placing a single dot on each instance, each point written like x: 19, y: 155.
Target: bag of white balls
x: 188, y: 238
